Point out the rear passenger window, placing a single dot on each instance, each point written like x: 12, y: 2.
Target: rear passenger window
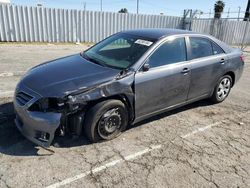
x: 200, y: 47
x: 172, y: 51
x: 216, y: 49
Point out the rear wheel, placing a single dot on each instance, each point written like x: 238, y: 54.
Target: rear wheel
x: 222, y: 89
x: 106, y: 120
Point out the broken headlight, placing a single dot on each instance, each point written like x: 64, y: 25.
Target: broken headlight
x: 48, y: 105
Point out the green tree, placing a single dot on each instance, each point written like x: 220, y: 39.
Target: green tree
x: 123, y: 10
x: 218, y: 9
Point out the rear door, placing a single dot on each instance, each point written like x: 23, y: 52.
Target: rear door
x: 166, y: 82
x: 207, y: 61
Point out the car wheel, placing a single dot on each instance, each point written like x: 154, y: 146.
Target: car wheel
x: 106, y: 120
x: 222, y: 89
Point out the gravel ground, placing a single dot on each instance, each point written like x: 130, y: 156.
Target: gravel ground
x: 199, y: 145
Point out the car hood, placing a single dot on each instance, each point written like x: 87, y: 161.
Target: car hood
x: 62, y: 76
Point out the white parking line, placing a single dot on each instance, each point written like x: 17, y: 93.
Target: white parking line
x: 10, y: 74
x: 201, y: 129
x: 105, y: 166
x: 6, y: 74
x: 6, y: 94
x: 126, y: 158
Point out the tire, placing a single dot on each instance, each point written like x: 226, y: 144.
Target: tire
x: 107, y: 117
x: 222, y: 89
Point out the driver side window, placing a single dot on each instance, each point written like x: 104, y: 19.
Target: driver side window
x: 170, y: 52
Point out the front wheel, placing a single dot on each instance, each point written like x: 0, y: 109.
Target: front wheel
x: 106, y: 120
x: 222, y: 89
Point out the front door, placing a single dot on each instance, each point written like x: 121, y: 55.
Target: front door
x: 166, y: 82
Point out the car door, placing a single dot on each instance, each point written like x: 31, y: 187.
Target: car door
x: 164, y: 79
x: 206, y: 60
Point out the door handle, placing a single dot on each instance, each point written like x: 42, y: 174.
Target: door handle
x: 185, y: 70
x: 222, y: 61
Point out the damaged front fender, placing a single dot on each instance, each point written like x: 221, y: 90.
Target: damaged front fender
x: 39, y: 123
x: 122, y: 85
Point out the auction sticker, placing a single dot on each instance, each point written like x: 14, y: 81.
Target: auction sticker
x: 143, y: 42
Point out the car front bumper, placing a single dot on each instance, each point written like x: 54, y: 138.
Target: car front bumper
x: 38, y: 127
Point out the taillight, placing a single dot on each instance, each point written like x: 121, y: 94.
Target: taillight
x: 242, y: 57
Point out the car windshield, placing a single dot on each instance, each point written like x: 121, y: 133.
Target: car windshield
x: 119, y: 51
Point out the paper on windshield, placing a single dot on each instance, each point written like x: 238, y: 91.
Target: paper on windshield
x: 143, y: 42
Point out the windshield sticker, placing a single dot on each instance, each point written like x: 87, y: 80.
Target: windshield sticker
x: 143, y: 42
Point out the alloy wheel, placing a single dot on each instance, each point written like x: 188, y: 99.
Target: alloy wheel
x: 224, y: 88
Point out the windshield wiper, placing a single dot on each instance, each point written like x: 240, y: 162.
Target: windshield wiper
x: 93, y: 60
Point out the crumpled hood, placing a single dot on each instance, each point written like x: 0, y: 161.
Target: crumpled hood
x: 65, y: 75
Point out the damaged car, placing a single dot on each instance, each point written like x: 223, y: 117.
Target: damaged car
x: 127, y: 77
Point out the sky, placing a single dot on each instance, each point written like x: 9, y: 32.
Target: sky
x: 167, y: 7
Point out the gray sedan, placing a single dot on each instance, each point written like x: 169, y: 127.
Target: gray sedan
x: 128, y: 77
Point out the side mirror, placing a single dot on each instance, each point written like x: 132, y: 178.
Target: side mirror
x: 145, y: 67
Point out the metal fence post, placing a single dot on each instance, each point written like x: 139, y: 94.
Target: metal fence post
x: 245, y: 33
x: 187, y: 16
x: 184, y: 19
x: 211, y: 30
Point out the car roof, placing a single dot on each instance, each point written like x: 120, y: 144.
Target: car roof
x: 157, y: 33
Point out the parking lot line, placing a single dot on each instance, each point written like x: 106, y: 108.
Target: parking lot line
x: 201, y: 129
x: 105, y: 166
x: 6, y: 94
x: 10, y: 74
x: 126, y: 158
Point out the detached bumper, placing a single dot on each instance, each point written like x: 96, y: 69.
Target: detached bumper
x: 38, y: 127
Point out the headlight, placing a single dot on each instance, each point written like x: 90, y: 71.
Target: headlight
x: 48, y: 105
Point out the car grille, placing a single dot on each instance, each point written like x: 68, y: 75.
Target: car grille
x: 22, y: 98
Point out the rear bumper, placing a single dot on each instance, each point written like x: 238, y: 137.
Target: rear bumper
x: 239, y: 71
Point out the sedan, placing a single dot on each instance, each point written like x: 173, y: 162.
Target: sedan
x: 127, y: 77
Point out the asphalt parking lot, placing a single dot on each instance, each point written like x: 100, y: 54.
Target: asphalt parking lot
x: 199, y: 145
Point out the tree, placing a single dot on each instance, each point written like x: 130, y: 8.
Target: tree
x: 123, y: 10
x: 218, y: 9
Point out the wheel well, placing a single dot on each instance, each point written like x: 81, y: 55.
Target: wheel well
x: 122, y: 98
x: 230, y: 73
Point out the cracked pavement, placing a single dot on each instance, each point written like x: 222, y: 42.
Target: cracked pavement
x: 202, y: 145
